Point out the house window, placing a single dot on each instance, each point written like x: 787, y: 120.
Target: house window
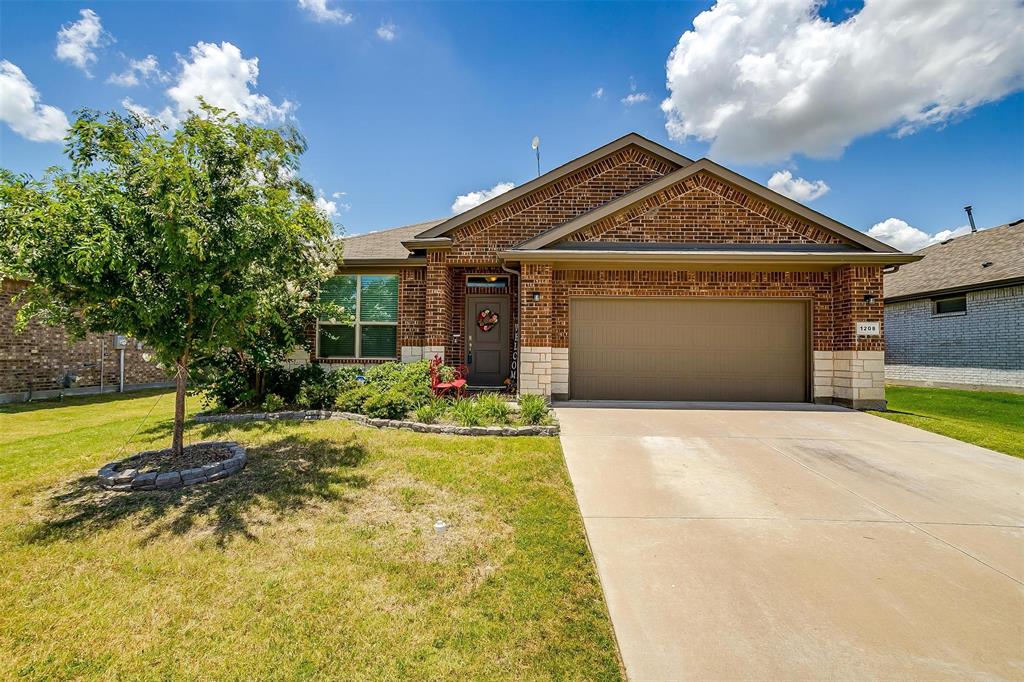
x: 487, y: 282
x: 373, y: 302
x: 945, y: 306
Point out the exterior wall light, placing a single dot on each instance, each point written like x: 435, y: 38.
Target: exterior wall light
x: 535, y: 295
x: 870, y: 298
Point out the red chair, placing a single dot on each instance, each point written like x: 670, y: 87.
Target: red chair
x: 444, y: 388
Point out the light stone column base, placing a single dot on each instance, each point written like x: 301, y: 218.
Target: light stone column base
x: 854, y: 378
x: 412, y: 353
x: 560, y: 373
x: 535, y: 370
x: 430, y: 351
x: 298, y: 357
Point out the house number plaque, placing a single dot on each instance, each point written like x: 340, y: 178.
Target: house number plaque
x: 869, y: 328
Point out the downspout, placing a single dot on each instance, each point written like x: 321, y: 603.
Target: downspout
x: 120, y: 382
x: 519, y: 307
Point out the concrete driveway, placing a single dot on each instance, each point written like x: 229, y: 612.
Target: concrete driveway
x: 796, y: 542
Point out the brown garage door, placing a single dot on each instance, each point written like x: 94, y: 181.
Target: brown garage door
x: 687, y: 349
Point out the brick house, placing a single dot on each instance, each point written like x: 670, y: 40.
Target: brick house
x: 37, y: 362
x: 956, y: 317
x: 629, y: 273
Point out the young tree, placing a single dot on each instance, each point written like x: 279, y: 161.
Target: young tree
x: 191, y: 240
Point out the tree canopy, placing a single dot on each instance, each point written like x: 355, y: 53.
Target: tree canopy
x: 192, y: 240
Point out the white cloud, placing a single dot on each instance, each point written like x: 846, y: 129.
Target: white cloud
x: 635, y: 98
x: 222, y: 76
x: 324, y: 14
x: 77, y: 42
x: 798, y: 189
x: 327, y: 207
x: 341, y: 205
x: 900, y: 234
x: 765, y: 80
x: 464, y: 202
x: 598, y: 94
x: 164, y: 116
x: 21, y: 110
x: 138, y: 71
x: 386, y: 31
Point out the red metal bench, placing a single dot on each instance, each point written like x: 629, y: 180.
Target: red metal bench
x: 444, y: 388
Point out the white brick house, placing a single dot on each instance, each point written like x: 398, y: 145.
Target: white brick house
x: 956, y: 317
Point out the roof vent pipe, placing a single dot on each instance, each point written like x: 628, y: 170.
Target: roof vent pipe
x: 970, y: 216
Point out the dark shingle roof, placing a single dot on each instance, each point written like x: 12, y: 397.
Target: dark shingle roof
x: 958, y: 264
x: 382, y: 245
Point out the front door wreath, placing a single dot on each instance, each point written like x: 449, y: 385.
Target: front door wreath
x: 486, y: 320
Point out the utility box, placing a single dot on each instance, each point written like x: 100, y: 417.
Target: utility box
x: 120, y: 342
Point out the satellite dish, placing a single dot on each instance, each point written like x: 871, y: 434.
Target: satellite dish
x: 536, y: 142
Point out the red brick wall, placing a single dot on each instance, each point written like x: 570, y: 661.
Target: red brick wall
x: 412, y: 300
x: 528, y: 216
x: 851, y: 283
x: 42, y: 355
x: 704, y: 209
x: 836, y: 297
x: 438, y: 308
x: 539, y: 318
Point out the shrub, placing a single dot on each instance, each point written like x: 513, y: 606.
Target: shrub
x: 430, y: 413
x: 493, y: 408
x: 533, y: 409
x: 390, y: 404
x: 411, y: 379
x: 352, y: 400
x: 223, y: 381
x: 319, y: 391
x: 273, y: 402
x: 465, y: 411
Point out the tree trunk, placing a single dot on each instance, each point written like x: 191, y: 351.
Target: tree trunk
x: 177, y: 441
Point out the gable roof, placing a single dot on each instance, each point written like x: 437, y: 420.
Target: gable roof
x: 957, y: 265
x: 626, y: 201
x: 634, y: 139
x: 383, y: 247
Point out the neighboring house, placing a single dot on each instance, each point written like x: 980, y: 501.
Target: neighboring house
x: 43, y: 362
x: 956, y: 317
x: 630, y: 273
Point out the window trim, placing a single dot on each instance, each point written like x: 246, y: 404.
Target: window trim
x: 358, y: 324
x: 937, y: 301
x: 499, y: 282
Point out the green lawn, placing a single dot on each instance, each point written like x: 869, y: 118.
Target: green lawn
x: 317, y: 561
x: 991, y: 420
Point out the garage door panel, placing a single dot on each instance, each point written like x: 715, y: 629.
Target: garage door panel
x: 685, y: 349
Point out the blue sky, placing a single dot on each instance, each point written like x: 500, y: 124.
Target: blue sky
x: 407, y: 106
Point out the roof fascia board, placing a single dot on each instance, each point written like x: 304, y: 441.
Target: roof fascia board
x: 556, y: 174
x: 952, y: 291
x: 412, y: 262
x: 432, y: 243
x: 765, y: 257
x: 626, y: 201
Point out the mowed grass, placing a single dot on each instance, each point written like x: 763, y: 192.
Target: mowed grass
x: 991, y: 420
x: 318, y: 560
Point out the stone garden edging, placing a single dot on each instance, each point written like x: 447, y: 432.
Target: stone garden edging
x: 314, y: 415
x: 130, y: 479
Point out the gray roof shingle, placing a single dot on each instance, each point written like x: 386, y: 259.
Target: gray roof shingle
x: 958, y: 264
x: 383, y: 244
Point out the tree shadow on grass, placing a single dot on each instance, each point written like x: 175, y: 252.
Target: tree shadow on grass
x: 282, y: 477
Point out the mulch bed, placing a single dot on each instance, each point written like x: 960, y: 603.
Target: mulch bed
x: 162, y: 469
x: 192, y: 456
